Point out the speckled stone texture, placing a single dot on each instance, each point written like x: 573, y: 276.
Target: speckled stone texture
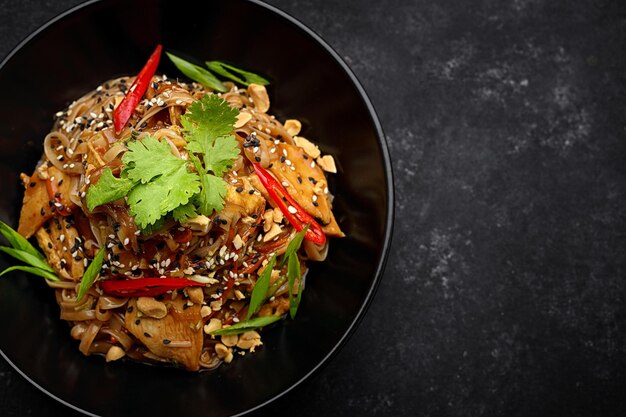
x: 505, y: 289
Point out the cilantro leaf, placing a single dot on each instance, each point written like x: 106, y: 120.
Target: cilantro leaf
x: 208, y: 124
x: 149, y: 202
x: 185, y: 212
x: 149, y: 158
x: 221, y: 154
x: 206, y: 120
x: 107, y: 189
x: 213, y: 190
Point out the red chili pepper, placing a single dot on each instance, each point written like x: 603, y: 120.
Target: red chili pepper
x: 53, y: 194
x: 136, y: 91
x: 300, y: 218
x: 145, y: 287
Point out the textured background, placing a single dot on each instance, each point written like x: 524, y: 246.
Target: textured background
x: 504, y: 293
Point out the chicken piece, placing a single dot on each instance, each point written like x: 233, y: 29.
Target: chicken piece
x: 63, y: 249
x: 251, y: 203
x: 36, y: 209
x: 311, y: 191
x: 164, y: 337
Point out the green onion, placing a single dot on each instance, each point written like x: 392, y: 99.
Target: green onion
x: 22, y: 250
x: 236, y: 74
x: 294, y: 245
x: 27, y: 257
x: 246, y: 325
x: 32, y: 270
x: 293, y: 274
x: 260, y: 288
x: 197, y: 73
x: 18, y: 241
x: 90, y: 275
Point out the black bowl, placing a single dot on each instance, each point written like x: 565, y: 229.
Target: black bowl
x: 101, y: 40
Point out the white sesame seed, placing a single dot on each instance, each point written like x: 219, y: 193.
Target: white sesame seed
x: 273, y: 150
x: 312, y: 164
x: 285, y: 184
x: 62, y: 238
x: 292, y: 210
x: 288, y: 162
x: 126, y: 241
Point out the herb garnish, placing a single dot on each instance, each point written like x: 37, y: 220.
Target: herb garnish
x: 236, y: 74
x: 246, y: 325
x: 25, y: 252
x: 197, y: 73
x: 208, y: 124
x: 91, y: 273
x: 157, y: 183
x: 207, y: 78
x: 259, y: 292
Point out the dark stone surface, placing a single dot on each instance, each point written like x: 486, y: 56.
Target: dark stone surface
x: 504, y: 292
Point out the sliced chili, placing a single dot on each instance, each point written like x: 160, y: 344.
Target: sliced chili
x: 145, y: 287
x: 300, y: 218
x: 136, y: 91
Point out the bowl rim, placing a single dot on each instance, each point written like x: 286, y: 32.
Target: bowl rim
x: 389, y: 185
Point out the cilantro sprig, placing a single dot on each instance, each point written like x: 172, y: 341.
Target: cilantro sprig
x: 156, y: 183
x: 208, y: 124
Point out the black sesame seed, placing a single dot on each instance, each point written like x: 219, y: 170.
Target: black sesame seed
x: 251, y: 192
x: 137, y: 322
x: 300, y: 180
x: 270, y: 165
x: 282, y: 158
x: 239, y: 189
x: 224, y: 221
x: 166, y: 341
x: 60, y: 182
x: 43, y: 211
x: 49, y: 245
x: 315, y: 203
x: 129, y: 309
x: 32, y: 184
x: 257, y: 158
x: 304, y: 156
x: 58, y: 195
x: 147, y: 334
